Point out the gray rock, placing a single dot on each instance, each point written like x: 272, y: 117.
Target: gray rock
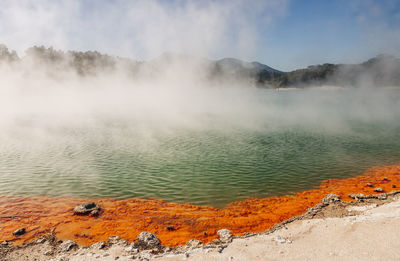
x: 98, y: 245
x: 358, y: 196
x: 382, y: 196
x: 48, y: 253
x: 132, y: 248
x: 67, y: 245
x: 282, y: 240
x: 88, y: 208
x: 221, y: 248
x: 194, y: 243
x: 279, y: 239
x: 114, y: 240
x: 40, y: 240
x: 330, y: 198
x: 378, y: 189
x: 148, y: 240
x: 170, y: 228
x: 216, y: 241
x: 225, y: 235
x: 19, y: 231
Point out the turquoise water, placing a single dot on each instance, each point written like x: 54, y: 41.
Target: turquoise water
x: 271, y: 143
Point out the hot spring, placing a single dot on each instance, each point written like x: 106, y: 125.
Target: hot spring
x: 207, y: 146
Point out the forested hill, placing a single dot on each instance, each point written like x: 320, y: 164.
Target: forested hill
x: 383, y: 70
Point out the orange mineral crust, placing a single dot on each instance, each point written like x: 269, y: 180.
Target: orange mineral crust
x: 127, y: 218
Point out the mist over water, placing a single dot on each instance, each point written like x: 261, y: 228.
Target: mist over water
x: 186, y: 140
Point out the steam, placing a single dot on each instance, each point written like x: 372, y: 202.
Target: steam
x: 141, y: 29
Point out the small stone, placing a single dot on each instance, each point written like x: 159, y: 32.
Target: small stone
x: 132, y: 248
x: 378, y: 189
x: 369, y: 185
x: 4, y: 243
x: 330, y: 198
x: 220, y: 249
x: 170, y: 228
x: 385, y: 179
x: 114, y: 240
x: 48, y: 253
x: 67, y: 245
x: 148, y: 240
x: 279, y: 239
x: 393, y: 186
x: 40, y: 240
x: 19, y: 231
x: 216, y: 241
x: 194, y: 243
x: 225, y: 235
x: 187, y: 255
x: 98, y: 245
x: 88, y: 208
x: 382, y: 196
x: 358, y: 196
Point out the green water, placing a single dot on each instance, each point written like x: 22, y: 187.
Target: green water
x: 281, y: 144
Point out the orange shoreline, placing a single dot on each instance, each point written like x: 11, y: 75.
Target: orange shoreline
x: 127, y: 218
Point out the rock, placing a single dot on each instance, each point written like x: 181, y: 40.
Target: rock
x: 88, y: 208
x: 385, y: 179
x: 393, y: 186
x: 170, y: 228
x: 148, y: 240
x: 382, y: 196
x: 369, y: 184
x: 40, y: 240
x: 330, y: 198
x: 19, y: 232
x: 132, y: 248
x: 67, y: 245
x: 279, y: 239
x: 378, y: 189
x: 4, y: 243
x: 358, y: 196
x: 221, y: 248
x: 98, y: 245
x: 216, y: 241
x: 225, y: 235
x: 116, y: 240
x: 194, y: 243
x: 48, y: 253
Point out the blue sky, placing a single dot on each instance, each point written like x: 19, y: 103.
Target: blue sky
x: 333, y: 31
x: 285, y: 34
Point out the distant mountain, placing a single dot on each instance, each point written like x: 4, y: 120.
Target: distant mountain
x: 383, y: 70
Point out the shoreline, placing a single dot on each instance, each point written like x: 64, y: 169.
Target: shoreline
x: 279, y: 238
x: 175, y: 224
